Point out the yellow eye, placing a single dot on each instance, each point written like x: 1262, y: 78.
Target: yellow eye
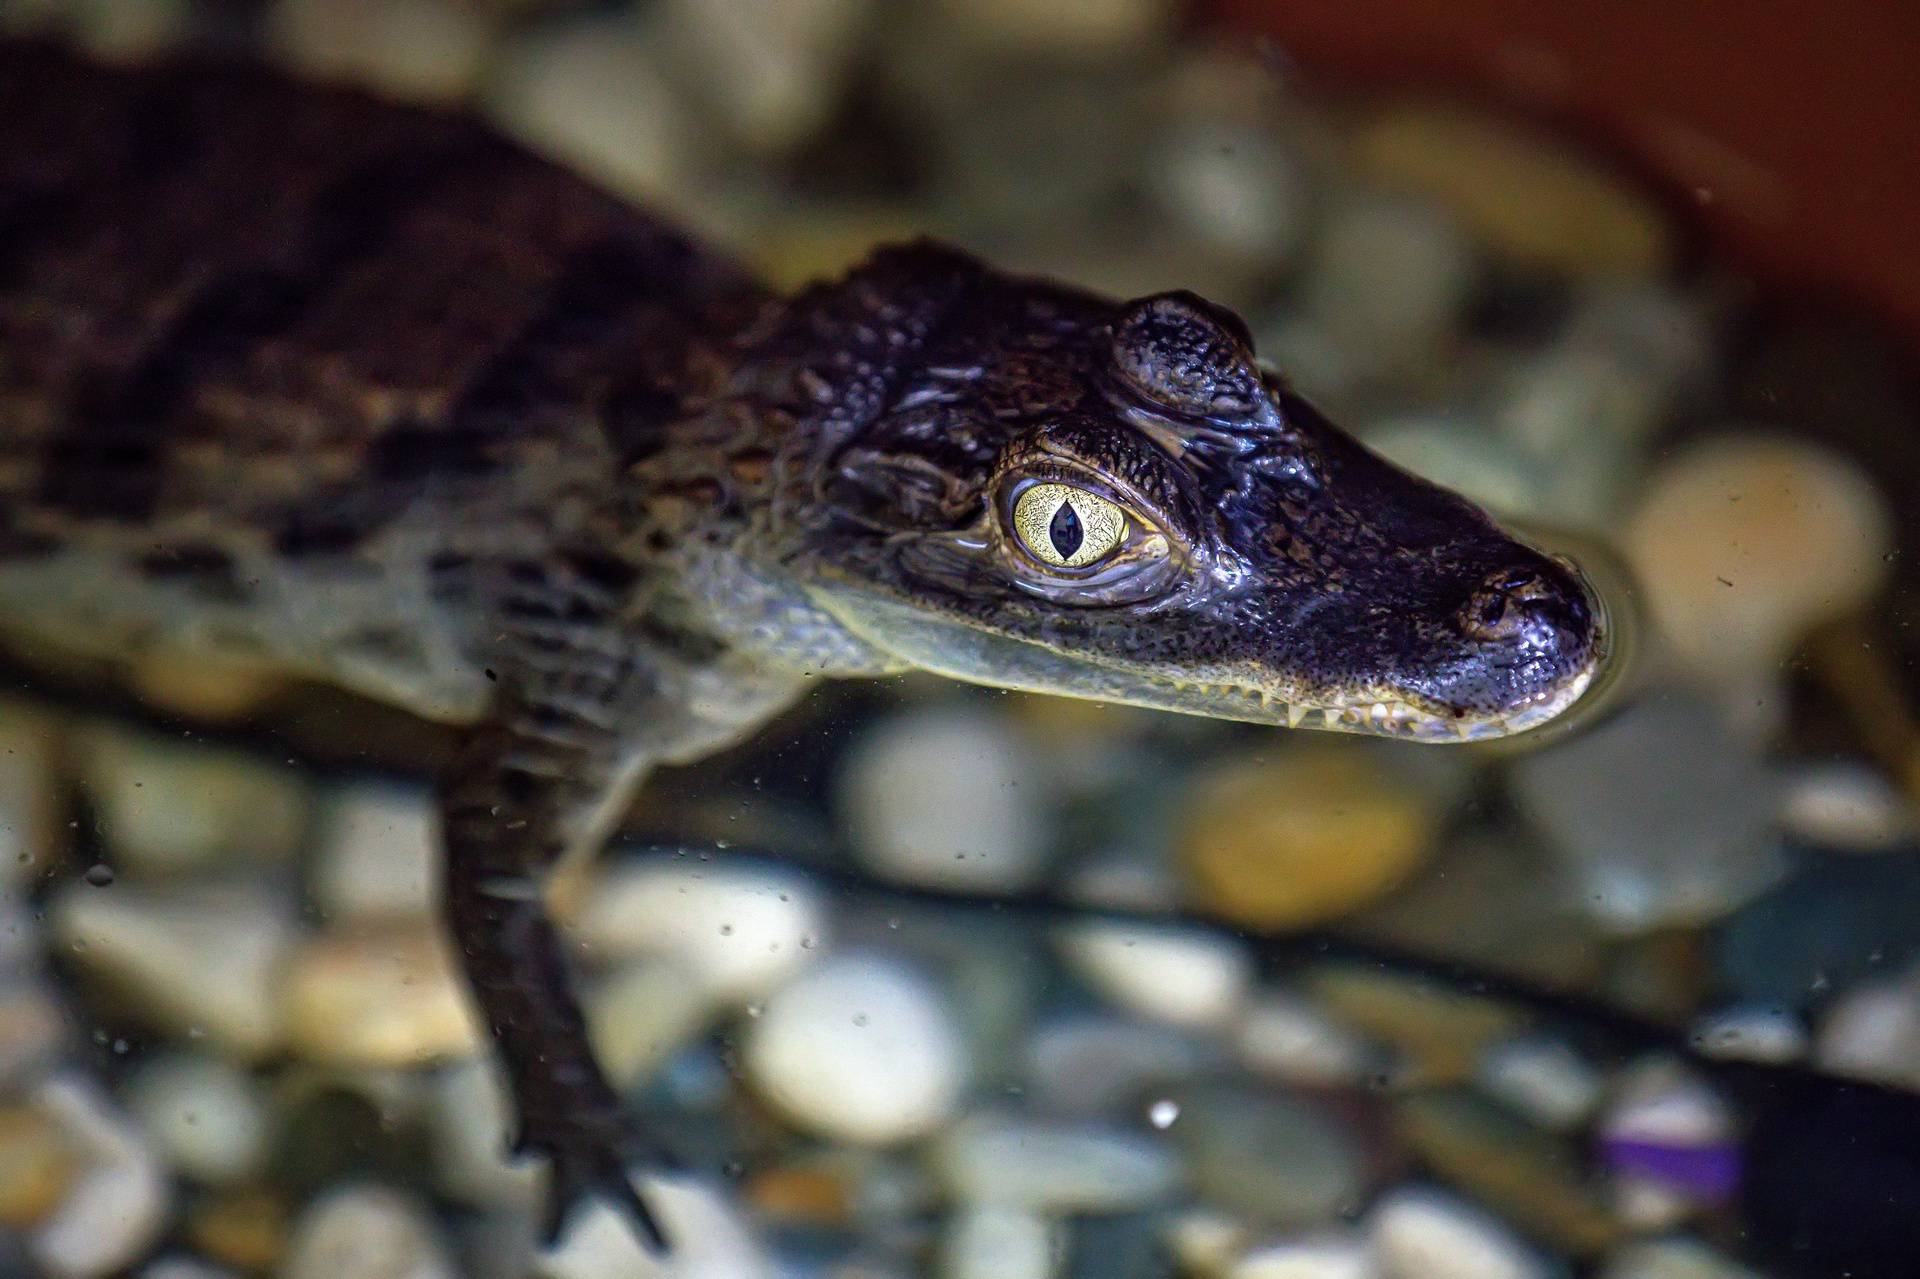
x: 1067, y: 527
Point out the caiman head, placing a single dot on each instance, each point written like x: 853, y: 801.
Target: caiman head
x: 1027, y: 486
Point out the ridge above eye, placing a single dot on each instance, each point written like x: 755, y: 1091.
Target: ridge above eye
x: 1067, y: 527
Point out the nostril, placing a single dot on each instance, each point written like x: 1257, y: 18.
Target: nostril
x: 1508, y: 602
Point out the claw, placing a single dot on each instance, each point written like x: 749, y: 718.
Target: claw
x: 583, y: 1164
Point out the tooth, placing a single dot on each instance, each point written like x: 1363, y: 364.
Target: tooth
x: 1296, y: 714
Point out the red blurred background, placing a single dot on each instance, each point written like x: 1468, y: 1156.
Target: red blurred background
x: 1790, y: 123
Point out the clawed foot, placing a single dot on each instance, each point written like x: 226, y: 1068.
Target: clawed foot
x: 587, y: 1159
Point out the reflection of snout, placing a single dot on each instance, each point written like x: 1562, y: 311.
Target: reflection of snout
x: 1539, y: 609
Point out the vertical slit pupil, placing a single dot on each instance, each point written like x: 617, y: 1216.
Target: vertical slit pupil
x: 1065, y: 531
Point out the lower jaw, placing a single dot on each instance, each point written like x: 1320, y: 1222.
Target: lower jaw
x: 1376, y: 717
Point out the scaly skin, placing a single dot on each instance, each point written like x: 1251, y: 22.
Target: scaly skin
x: 364, y: 392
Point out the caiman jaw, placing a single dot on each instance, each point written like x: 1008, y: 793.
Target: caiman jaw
x: 1376, y: 716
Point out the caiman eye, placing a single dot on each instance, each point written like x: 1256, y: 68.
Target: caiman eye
x: 1067, y: 527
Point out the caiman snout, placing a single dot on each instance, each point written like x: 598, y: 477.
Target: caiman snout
x: 1530, y: 609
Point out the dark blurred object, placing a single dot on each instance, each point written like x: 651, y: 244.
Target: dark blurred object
x: 1788, y: 122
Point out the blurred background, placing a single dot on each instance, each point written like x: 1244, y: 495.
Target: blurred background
x: 932, y: 981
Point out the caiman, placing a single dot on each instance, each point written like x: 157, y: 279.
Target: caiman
x: 369, y: 394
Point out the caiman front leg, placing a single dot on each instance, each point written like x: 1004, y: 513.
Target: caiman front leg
x: 542, y: 780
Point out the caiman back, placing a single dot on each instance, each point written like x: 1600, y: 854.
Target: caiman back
x: 277, y: 362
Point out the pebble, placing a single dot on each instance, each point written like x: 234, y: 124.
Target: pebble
x: 739, y: 929
x: 377, y: 853
x: 131, y: 31
x: 1066, y: 27
x: 1327, y: 1255
x: 30, y: 834
x: 1750, y: 1032
x: 1442, y: 1031
x: 378, y: 995
x: 1846, y: 807
x: 425, y: 50
x: 167, y: 810
x: 1233, y: 187
x: 366, y: 1232
x: 1662, y: 814
x: 1531, y: 1177
x: 770, y: 71
x: 711, y: 1240
x: 37, y: 1165
x: 245, y: 1227
x: 1872, y: 1032
x: 203, y: 960
x: 1183, y: 976
x: 469, y: 1125
x: 998, y: 1243
x: 1284, y: 1037
x: 1089, y: 1064
x: 119, y: 1203
x: 1544, y: 1078
x: 639, y: 1015
x: 1673, y: 1259
x: 1741, y: 544
x: 1231, y: 1133
x: 1389, y: 279
x: 946, y: 797
x: 209, y: 1117
x: 1669, y: 1140
x: 1532, y: 200
x: 1304, y: 836
x: 33, y: 1031
x: 1053, y: 1167
x: 184, y: 1268
x: 861, y: 1048
x: 590, y: 92
x: 1421, y: 1232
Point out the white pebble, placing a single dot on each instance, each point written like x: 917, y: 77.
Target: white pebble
x: 710, y: 1239
x: 1285, y: 1037
x: 1545, y: 1079
x: 1183, y: 976
x: 590, y: 93
x: 1091, y: 1065
x: 470, y: 1121
x: 1744, y: 542
x: 860, y: 1048
x: 771, y: 67
x: 737, y: 928
x: 1319, y: 1256
x: 1673, y: 1259
x: 365, y: 1232
x: 948, y: 798
x: 998, y: 1243
x: 378, y: 852
x: 121, y: 1202
x: 1873, y: 1032
x: 1422, y: 1233
x: 209, y: 1116
x: 1054, y: 1167
x: 205, y: 960
x: 1390, y: 275
x: 183, y: 1268
x: 638, y: 1016
x: 1846, y: 807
